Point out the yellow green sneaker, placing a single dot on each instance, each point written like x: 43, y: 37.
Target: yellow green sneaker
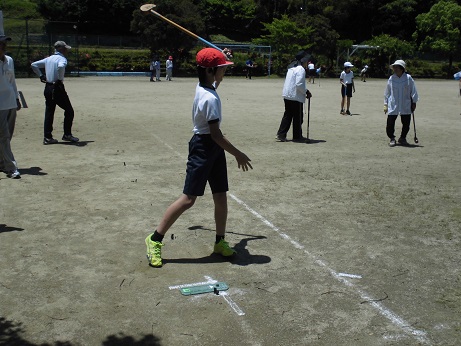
x: 224, y: 249
x: 154, y: 252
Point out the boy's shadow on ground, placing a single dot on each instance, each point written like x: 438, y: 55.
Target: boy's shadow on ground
x: 4, y: 228
x: 32, y: 171
x: 243, y: 257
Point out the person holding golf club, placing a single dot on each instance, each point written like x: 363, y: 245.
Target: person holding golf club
x: 206, y: 161
x: 347, y: 86
x: 400, y: 97
x: 294, y: 96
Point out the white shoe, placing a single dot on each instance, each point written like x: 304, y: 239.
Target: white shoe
x: 14, y: 174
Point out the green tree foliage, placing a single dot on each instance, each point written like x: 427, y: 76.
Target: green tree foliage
x: 162, y: 37
x: 286, y: 38
x: 19, y: 9
x: 232, y: 18
x: 439, y: 30
x: 390, y: 49
x: 95, y: 17
x: 324, y: 38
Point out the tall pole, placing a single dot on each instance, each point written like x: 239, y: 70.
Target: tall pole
x: 27, y: 44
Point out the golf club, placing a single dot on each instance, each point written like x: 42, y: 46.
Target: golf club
x: 308, y: 118
x: 414, y: 128
x: 149, y: 8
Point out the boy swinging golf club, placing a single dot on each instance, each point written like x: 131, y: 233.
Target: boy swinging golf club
x: 206, y: 161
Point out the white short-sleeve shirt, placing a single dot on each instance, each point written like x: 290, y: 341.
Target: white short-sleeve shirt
x: 206, y: 108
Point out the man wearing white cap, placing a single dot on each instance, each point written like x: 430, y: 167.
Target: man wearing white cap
x: 400, y: 97
x: 9, y: 104
x: 55, y: 93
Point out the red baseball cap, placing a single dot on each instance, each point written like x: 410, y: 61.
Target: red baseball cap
x: 211, y: 57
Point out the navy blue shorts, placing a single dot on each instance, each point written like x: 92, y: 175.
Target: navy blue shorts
x: 206, y: 163
x: 346, y: 91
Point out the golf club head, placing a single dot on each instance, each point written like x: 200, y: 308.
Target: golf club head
x: 416, y: 140
x: 147, y: 7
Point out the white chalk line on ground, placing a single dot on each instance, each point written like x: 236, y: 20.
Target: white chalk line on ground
x: 420, y: 335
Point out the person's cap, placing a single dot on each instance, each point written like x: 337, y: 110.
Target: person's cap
x: 211, y: 57
x: 59, y: 44
x: 4, y: 38
x: 399, y: 63
x: 348, y: 64
x: 170, y: 58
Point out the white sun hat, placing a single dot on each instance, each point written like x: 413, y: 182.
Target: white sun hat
x: 348, y: 64
x: 400, y: 63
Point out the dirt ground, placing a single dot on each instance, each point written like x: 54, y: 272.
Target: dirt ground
x: 343, y: 241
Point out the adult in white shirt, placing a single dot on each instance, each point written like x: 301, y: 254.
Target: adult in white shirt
x: 169, y: 68
x: 400, y: 97
x: 55, y: 93
x: 9, y: 104
x: 312, y: 72
x: 294, y: 96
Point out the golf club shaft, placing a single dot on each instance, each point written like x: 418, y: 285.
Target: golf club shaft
x: 190, y: 33
x: 414, y: 126
x: 308, y: 115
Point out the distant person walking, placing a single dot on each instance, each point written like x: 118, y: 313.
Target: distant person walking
x: 169, y: 68
x: 364, y: 73
x: 9, y: 104
x: 400, y: 97
x: 55, y: 93
x: 347, y: 86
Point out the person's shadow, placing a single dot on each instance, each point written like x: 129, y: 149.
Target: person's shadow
x: 76, y: 144
x: 242, y: 258
x: 4, y: 228
x: 32, y: 171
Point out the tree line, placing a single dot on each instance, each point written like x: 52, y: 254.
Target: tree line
x: 401, y: 28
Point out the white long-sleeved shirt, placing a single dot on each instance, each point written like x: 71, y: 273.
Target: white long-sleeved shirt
x: 400, y: 92
x: 55, y: 67
x: 294, y: 88
x: 8, y: 89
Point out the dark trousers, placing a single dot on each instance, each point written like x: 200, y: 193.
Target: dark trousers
x: 55, y: 95
x: 293, y: 113
x: 390, y: 127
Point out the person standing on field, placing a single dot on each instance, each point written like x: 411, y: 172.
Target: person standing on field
x: 169, y: 68
x: 312, y: 72
x: 294, y: 96
x: 157, y: 69
x: 9, y: 104
x: 152, y: 69
x: 55, y: 93
x: 206, y: 161
x: 347, y: 86
x: 400, y: 97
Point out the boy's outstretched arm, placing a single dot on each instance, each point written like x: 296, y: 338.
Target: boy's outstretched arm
x: 243, y: 161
